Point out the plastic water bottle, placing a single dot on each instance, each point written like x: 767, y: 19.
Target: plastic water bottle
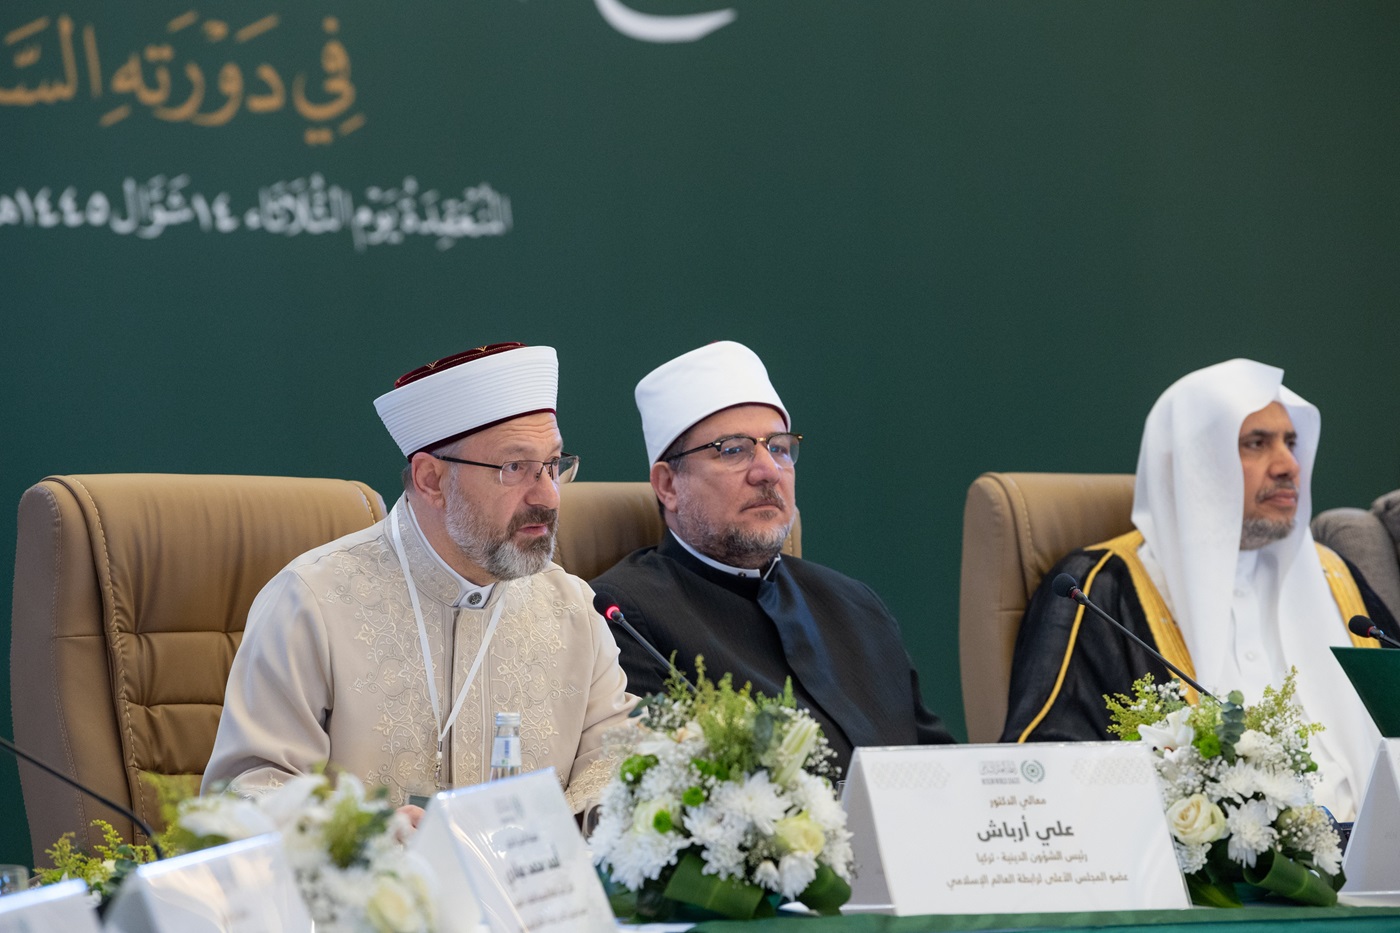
x: 505, y: 747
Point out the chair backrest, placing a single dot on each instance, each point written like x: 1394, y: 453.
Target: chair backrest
x: 1370, y: 539
x: 131, y: 592
x: 601, y: 523
x: 1015, y: 527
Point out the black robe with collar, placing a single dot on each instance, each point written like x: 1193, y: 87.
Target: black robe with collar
x: 832, y: 635
x: 1103, y: 660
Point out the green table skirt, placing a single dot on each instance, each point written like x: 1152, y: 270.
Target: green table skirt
x: 1247, y: 920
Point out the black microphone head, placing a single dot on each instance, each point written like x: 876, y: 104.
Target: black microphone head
x: 605, y: 605
x: 1064, y: 585
x: 1360, y: 625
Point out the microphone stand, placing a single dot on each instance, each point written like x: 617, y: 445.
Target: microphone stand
x: 141, y: 824
x: 1073, y: 591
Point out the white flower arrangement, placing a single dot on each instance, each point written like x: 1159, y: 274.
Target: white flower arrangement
x: 1237, y: 784
x: 722, y: 799
x: 345, y: 848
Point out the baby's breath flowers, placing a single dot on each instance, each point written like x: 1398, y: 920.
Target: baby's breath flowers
x: 1237, y: 783
x: 721, y: 798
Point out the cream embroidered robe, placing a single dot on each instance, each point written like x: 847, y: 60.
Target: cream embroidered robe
x: 331, y: 670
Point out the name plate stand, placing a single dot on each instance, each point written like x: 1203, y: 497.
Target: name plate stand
x: 63, y: 906
x: 1370, y: 864
x: 515, y: 845
x: 977, y: 829
x: 240, y: 887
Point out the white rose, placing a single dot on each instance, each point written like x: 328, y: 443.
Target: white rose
x: 392, y: 907
x: 1196, y: 820
x: 799, y: 834
x: 1172, y: 732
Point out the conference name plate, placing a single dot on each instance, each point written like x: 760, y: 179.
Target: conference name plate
x: 239, y: 887
x: 62, y: 906
x: 515, y: 845
x: 1373, y: 877
x: 1010, y: 829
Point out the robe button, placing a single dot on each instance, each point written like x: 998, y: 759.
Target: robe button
x: 474, y: 599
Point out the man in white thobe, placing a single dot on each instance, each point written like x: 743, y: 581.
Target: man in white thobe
x: 1220, y: 574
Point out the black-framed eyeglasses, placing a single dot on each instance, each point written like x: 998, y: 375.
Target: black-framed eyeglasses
x: 738, y: 449
x: 562, y: 469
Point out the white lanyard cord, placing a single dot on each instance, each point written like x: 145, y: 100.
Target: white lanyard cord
x: 423, y: 638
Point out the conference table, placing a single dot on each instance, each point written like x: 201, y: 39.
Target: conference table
x: 1250, y: 919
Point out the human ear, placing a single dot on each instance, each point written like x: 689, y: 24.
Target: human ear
x: 663, y: 483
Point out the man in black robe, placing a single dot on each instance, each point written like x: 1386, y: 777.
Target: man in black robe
x: 1218, y: 576
x: 1103, y: 660
x: 723, y: 460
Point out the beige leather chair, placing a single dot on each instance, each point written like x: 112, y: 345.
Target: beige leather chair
x: 1370, y: 539
x: 131, y: 591
x: 1015, y: 527
x: 601, y: 523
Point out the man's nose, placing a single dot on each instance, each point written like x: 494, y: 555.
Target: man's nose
x: 543, y: 490
x: 1285, y: 463
x: 763, y: 468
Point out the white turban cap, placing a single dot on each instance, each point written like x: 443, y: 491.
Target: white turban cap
x: 697, y: 384
x: 468, y: 392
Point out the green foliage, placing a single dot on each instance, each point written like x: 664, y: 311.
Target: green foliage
x: 1148, y: 705
x: 1206, y: 719
x: 1208, y: 744
x: 1231, y: 725
x: 766, y: 725
x: 1277, y: 714
x: 741, y: 729
x: 112, y: 860
x: 715, y: 769
x: 349, y: 830
x: 726, y: 717
x: 171, y: 791
x: 635, y: 766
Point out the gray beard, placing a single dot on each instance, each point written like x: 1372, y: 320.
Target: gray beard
x: 498, y: 554
x: 1257, y: 532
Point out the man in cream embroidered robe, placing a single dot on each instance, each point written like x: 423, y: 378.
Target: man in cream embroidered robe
x: 331, y: 670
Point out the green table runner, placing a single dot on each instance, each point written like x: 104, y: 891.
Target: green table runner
x: 1247, y: 920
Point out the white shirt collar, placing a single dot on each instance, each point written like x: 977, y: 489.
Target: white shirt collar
x: 748, y: 573
x: 1245, y: 568
x: 469, y: 595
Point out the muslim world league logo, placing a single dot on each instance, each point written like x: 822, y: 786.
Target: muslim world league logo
x: 1033, y: 771
x: 649, y: 27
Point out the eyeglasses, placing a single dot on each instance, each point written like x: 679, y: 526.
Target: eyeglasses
x: 562, y: 469
x: 737, y: 450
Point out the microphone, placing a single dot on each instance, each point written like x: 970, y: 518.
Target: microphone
x: 1066, y: 586
x: 1360, y: 625
x: 141, y: 824
x: 608, y: 608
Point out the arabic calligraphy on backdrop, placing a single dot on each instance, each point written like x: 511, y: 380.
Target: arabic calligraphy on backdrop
x: 55, y: 62
x: 303, y: 206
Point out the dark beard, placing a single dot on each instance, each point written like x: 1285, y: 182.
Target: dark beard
x: 735, y: 546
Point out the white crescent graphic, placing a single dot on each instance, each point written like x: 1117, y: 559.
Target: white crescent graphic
x: 649, y: 28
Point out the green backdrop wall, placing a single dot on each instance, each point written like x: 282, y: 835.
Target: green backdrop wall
x: 964, y: 235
